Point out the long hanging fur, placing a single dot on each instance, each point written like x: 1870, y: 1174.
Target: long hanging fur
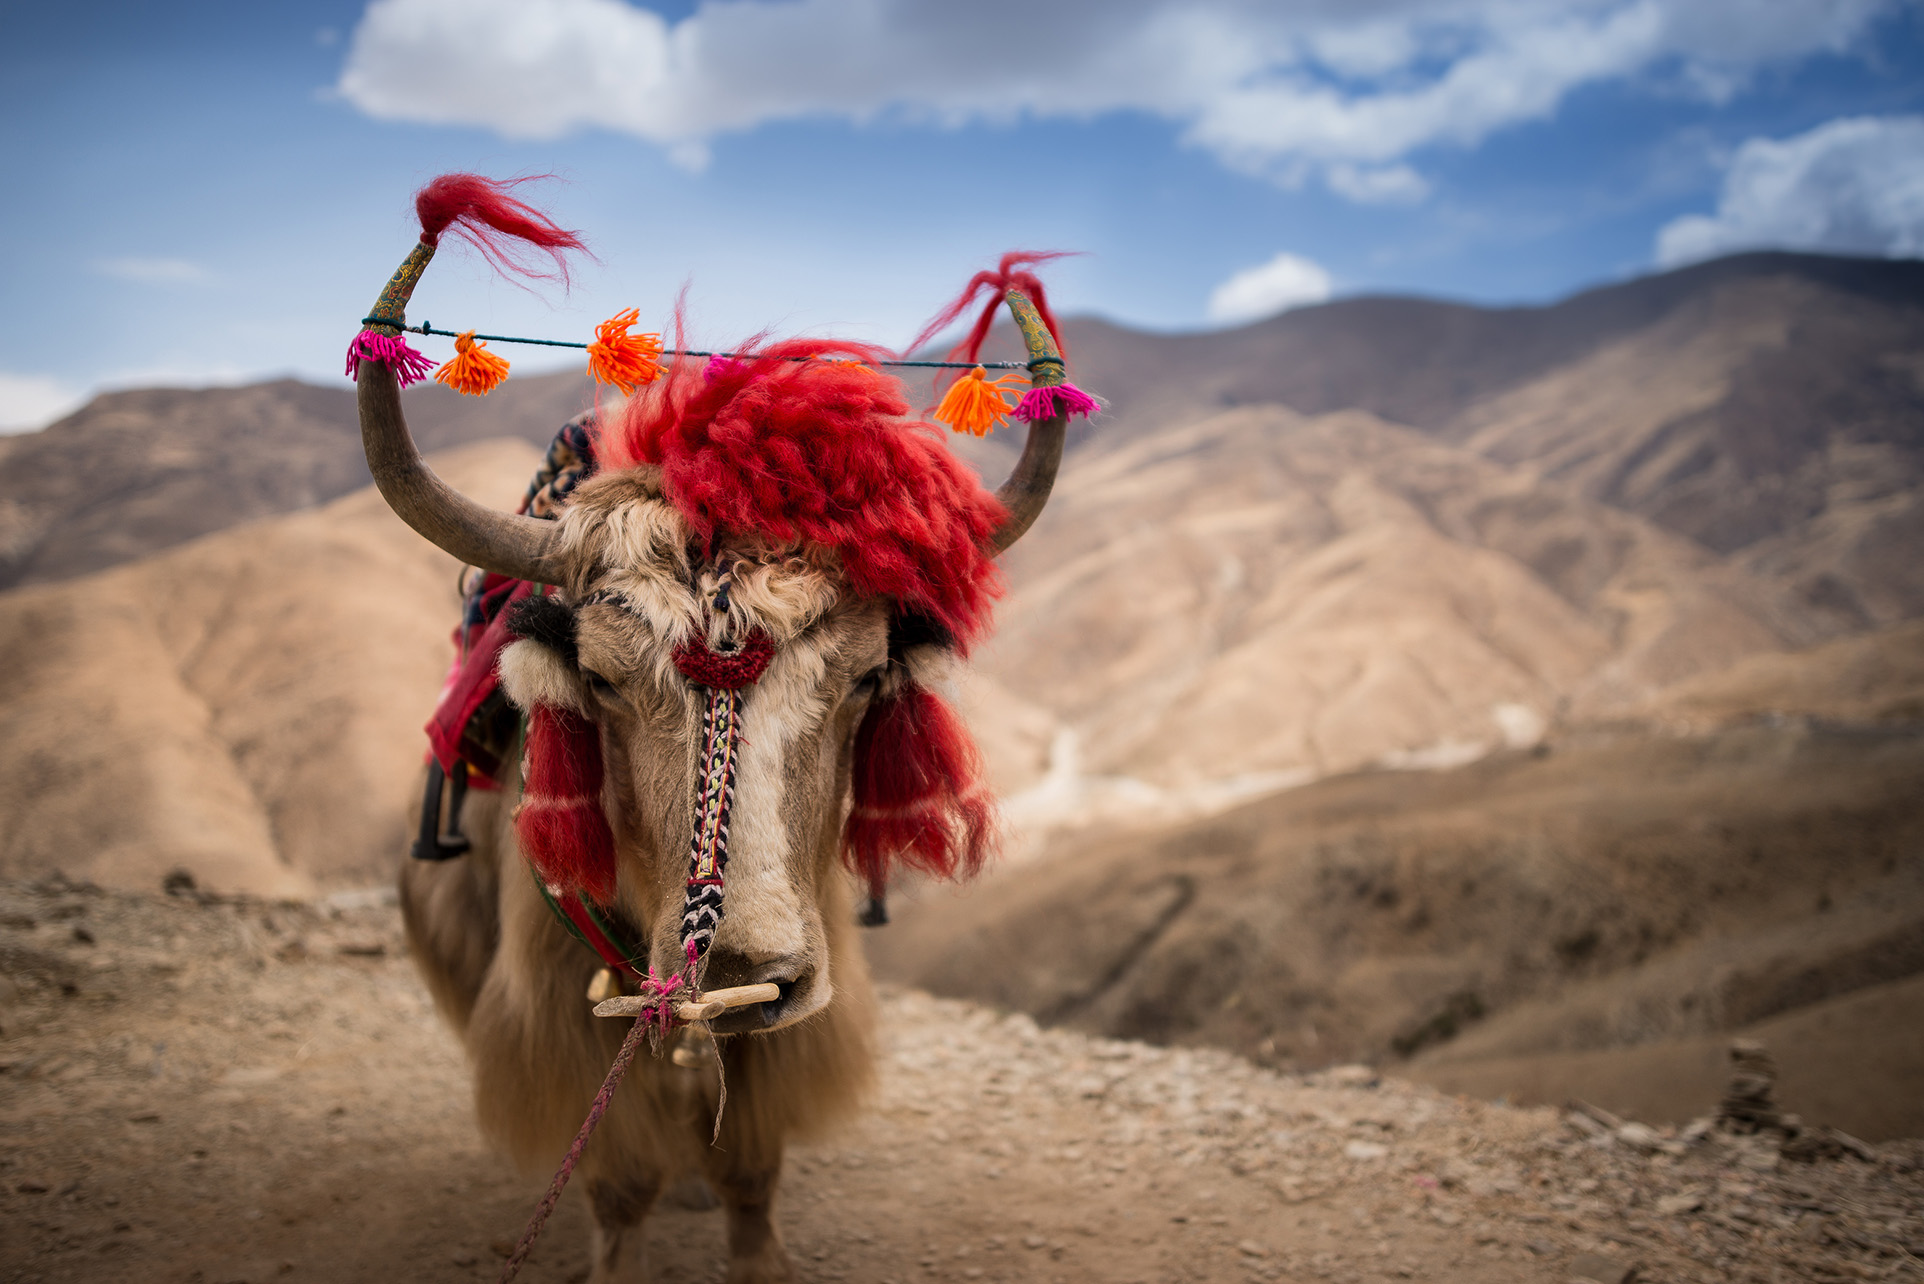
x: 919, y: 794
x: 560, y: 822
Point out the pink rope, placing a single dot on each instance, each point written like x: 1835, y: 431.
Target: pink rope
x: 608, y: 1085
x: 654, y: 1021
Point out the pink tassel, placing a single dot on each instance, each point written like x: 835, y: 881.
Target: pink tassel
x: 1061, y: 399
x: 719, y: 368
x: 408, y: 365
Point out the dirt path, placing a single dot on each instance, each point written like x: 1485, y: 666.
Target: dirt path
x: 223, y: 1092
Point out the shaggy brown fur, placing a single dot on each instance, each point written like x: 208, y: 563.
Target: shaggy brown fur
x: 513, y: 981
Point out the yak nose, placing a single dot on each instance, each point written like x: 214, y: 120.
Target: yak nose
x: 726, y: 968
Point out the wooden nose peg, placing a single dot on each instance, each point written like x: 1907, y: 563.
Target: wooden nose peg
x: 705, y: 1008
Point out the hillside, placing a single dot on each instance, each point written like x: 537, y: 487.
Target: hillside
x: 1211, y: 609
x: 1588, y: 918
x: 1767, y: 406
x: 1260, y: 598
x: 246, y: 706
x: 134, y: 473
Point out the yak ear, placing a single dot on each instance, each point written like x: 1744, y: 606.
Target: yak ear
x: 921, y: 651
x: 542, y: 667
x: 534, y: 673
x: 546, y: 620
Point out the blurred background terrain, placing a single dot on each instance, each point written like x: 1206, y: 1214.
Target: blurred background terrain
x: 1528, y: 698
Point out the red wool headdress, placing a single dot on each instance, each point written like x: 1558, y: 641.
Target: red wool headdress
x: 819, y: 451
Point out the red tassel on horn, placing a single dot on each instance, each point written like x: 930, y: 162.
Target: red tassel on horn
x: 1014, y: 272
x: 485, y: 212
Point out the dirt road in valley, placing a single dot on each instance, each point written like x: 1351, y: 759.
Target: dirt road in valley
x: 228, y: 1092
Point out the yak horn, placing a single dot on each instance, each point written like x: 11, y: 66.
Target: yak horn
x: 522, y: 548
x: 1028, y: 487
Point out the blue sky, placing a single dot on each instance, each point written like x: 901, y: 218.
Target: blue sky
x: 214, y: 192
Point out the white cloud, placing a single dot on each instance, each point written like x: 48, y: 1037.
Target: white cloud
x: 1280, y: 90
x: 30, y: 402
x: 1853, y: 186
x: 1286, y: 281
x: 1378, y: 184
x: 151, y: 271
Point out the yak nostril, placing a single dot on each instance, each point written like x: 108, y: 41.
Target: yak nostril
x: 724, y: 968
x: 794, y: 989
x: 772, y: 1010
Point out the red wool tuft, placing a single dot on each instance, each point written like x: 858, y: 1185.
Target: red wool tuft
x: 725, y: 671
x: 504, y: 228
x: 819, y: 451
x: 1011, y: 272
x: 919, y: 794
x: 560, y: 823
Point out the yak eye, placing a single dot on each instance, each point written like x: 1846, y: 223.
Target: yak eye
x: 868, y: 683
x: 598, y: 684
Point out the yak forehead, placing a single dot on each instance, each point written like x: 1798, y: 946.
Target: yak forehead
x: 626, y: 543
x: 646, y: 585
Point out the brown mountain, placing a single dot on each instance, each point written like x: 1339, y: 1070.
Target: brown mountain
x: 1768, y: 405
x: 1590, y: 918
x: 1260, y: 598
x: 246, y: 706
x: 132, y: 473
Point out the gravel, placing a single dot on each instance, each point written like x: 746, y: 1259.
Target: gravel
x: 254, y: 1092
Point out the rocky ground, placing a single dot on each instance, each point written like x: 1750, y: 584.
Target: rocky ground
x: 217, y: 1091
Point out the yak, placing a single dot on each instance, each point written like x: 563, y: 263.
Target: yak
x: 782, y: 502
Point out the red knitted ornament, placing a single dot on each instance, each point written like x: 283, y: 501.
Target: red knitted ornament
x: 919, y: 796
x: 560, y: 821
x: 725, y: 670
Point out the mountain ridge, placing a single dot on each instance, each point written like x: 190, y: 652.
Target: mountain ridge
x: 136, y: 471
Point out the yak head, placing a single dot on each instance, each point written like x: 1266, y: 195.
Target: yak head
x: 784, y: 503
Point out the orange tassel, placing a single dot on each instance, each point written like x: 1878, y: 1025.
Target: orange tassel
x: 625, y: 360
x: 475, y: 371
x: 976, y: 404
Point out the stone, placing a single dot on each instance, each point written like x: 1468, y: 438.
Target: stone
x: 1594, y: 1268
x: 1640, y: 1135
x: 1747, y: 1106
x: 1683, y: 1202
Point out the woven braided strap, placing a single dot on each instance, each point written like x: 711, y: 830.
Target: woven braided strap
x: 724, y: 676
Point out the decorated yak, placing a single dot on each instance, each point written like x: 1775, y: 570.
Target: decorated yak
x: 696, y: 720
